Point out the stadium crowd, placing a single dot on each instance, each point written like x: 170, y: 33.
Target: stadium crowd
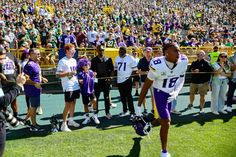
x: 113, y: 23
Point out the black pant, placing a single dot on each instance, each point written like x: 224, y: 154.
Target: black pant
x: 125, y: 89
x: 2, y: 137
x: 232, y: 87
x: 105, y: 88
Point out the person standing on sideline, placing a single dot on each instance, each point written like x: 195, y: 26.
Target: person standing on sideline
x: 10, y: 69
x: 66, y: 70
x: 125, y: 66
x: 86, y: 79
x: 5, y: 100
x: 143, y: 68
x: 201, y: 75
x: 220, y: 84
x: 136, y: 78
x: 33, y: 86
x: 232, y: 82
x: 102, y: 66
x: 167, y: 76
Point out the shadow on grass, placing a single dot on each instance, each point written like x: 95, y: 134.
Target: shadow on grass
x: 115, y: 122
x: 135, y: 150
x: 202, y: 119
x: 25, y: 132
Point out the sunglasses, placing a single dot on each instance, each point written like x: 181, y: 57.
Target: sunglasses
x: 223, y: 56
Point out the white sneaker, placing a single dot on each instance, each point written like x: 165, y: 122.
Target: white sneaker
x: 223, y: 112
x: 123, y: 114
x: 112, y: 105
x: 229, y: 109
x: 73, y: 123
x: 65, y: 128
x: 39, y: 110
x: 216, y: 113
x: 95, y: 118
x: 165, y: 154
x: 87, y: 120
x: 202, y: 111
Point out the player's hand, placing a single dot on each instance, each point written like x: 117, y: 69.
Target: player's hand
x: 38, y: 85
x: 72, y: 73
x: 172, y: 97
x: 44, y: 80
x: 3, y: 77
x: 20, y: 80
x: 139, y: 110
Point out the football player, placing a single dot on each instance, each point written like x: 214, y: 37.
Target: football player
x: 167, y: 76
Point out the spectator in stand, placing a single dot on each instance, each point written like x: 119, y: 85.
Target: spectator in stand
x: 97, y: 42
x: 220, y: 84
x: 110, y: 42
x: 201, y: 74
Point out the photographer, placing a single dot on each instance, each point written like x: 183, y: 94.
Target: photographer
x: 5, y: 100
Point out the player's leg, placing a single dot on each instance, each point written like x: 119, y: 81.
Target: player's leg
x: 129, y: 96
x: 192, y: 90
x: 106, y: 92
x: 122, y: 91
x: 74, y: 95
x: 14, y: 107
x: 163, y: 109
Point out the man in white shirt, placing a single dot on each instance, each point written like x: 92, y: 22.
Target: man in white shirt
x: 125, y: 66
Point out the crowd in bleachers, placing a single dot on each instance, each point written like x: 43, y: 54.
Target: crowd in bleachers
x: 115, y: 23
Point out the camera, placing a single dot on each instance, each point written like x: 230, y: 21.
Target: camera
x: 11, y: 119
x: 54, y: 123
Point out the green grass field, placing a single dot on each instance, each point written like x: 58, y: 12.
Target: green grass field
x: 191, y: 135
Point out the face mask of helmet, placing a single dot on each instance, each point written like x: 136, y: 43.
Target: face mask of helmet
x: 141, y: 126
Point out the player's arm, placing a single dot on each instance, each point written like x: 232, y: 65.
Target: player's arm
x: 147, y: 84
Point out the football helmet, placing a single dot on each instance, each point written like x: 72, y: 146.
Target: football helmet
x: 141, y: 126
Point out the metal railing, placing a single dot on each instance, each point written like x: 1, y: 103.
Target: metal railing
x: 49, y: 57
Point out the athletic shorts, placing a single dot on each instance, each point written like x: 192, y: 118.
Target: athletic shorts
x: 199, y: 88
x: 163, y: 108
x: 34, y: 101
x: 71, y: 95
x: 86, y: 98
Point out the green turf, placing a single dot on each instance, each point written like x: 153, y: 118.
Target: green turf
x: 191, y: 134
x: 214, y: 139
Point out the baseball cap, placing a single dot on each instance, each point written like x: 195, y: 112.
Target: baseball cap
x: 83, y: 62
x: 26, y: 51
x: 149, y: 49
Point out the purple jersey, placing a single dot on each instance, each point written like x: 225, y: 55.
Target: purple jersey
x: 32, y: 69
x: 88, y: 82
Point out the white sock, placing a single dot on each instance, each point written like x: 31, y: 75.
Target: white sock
x: 71, y: 119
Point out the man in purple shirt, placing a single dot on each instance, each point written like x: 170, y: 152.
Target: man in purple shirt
x: 33, y: 86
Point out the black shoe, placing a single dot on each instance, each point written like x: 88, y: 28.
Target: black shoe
x: 145, y: 112
x: 190, y: 106
x: 34, y: 128
x: 136, y: 94
x: 26, y: 122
